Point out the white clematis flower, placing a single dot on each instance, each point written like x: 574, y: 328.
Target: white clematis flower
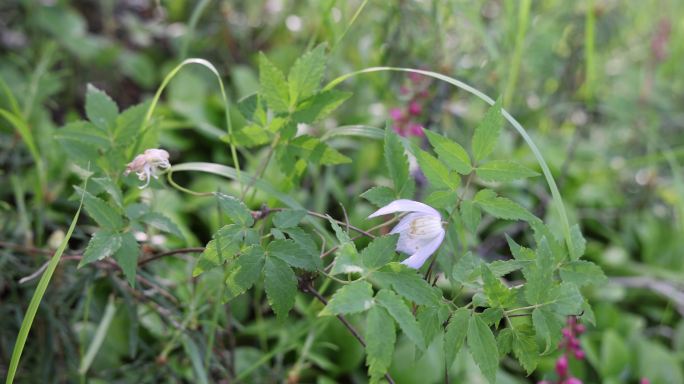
x: 147, y: 164
x: 420, y: 232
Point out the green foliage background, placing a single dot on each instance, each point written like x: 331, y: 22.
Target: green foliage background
x: 599, y: 84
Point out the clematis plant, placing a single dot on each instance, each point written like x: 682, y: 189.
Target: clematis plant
x: 420, y: 232
x: 147, y: 164
x: 276, y: 248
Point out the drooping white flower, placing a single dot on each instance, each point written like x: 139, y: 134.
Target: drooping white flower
x: 420, y: 232
x: 147, y: 164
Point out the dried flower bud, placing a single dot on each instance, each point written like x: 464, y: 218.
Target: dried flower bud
x: 147, y: 164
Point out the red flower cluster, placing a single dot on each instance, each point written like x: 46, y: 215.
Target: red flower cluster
x: 406, y: 118
x: 571, y: 347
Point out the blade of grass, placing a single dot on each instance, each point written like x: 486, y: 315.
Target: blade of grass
x: 555, y: 193
x: 14, y: 105
x: 351, y: 22
x: 589, y: 52
x: 355, y: 130
x: 193, y: 352
x: 38, y: 296
x: 155, y: 100
x: 98, y: 338
x: 523, y: 16
x: 25, y: 132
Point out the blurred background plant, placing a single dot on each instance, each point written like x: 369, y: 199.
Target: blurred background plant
x: 599, y: 83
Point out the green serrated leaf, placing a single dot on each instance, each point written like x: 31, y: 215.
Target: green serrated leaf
x: 100, y: 109
x: 347, y: 259
x: 103, y: 244
x: 579, y: 244
x: 487, y: 132
x: 503, y: 208
x: 280, y: 284
x: 305, y: 241
x: 431, y: 320
x: 379, y: 252
x: 455, y: 334
x: 588, y: 313
x: 519, y: 252
x: 401, y: 313
x: 288, y: 218
x: 436, y: 172
x: 397, y: 164
x: 291, y: 253
x: 319, y: 106
x: 380, y: 340
x: 129, y: 123
x: 408, y: 283
x: 465, y: 268
x: 111, y: 188
x: 539, y: 275
x: 542, y: 231
x: 441, y: 199
x: 450, y: 153
x: 314, y: 151
x: 498, y: 295
x: 161, y: 222
x: 273, y: 86
x: 224, y: 246
x: 379, y: 196
x: 525, y: 347
x: 548, y: 325
x: 503, y: 171
x: 492, y: 316
x: 341, y: 235
x: 567, y: 300
x: 471, y: 215
x: 127, y: 256
x: 306, y: 74
x: 581, y: 272
x: 235, y: 209
x: 482, y: 346
x: 504, y: 341
x: 504, y: 267
x: 252, y: 109
x: 352, y: 298
x: 244, y: 272
x: 249, y: 136
x: 105, y: 214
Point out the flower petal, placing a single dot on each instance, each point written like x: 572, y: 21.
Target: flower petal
x: 417, y: 260
x: 411, y: 245
x: 405, y: 223
x: 405, y: 205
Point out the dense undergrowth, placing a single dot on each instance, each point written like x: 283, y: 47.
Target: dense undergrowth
x: 251, y: 257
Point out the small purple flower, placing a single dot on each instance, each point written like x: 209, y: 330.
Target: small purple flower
x: 396, y: 114
x: 415, y: 108
x: 562, y: 366
x: 147, y: 164
x: 420, y: 232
